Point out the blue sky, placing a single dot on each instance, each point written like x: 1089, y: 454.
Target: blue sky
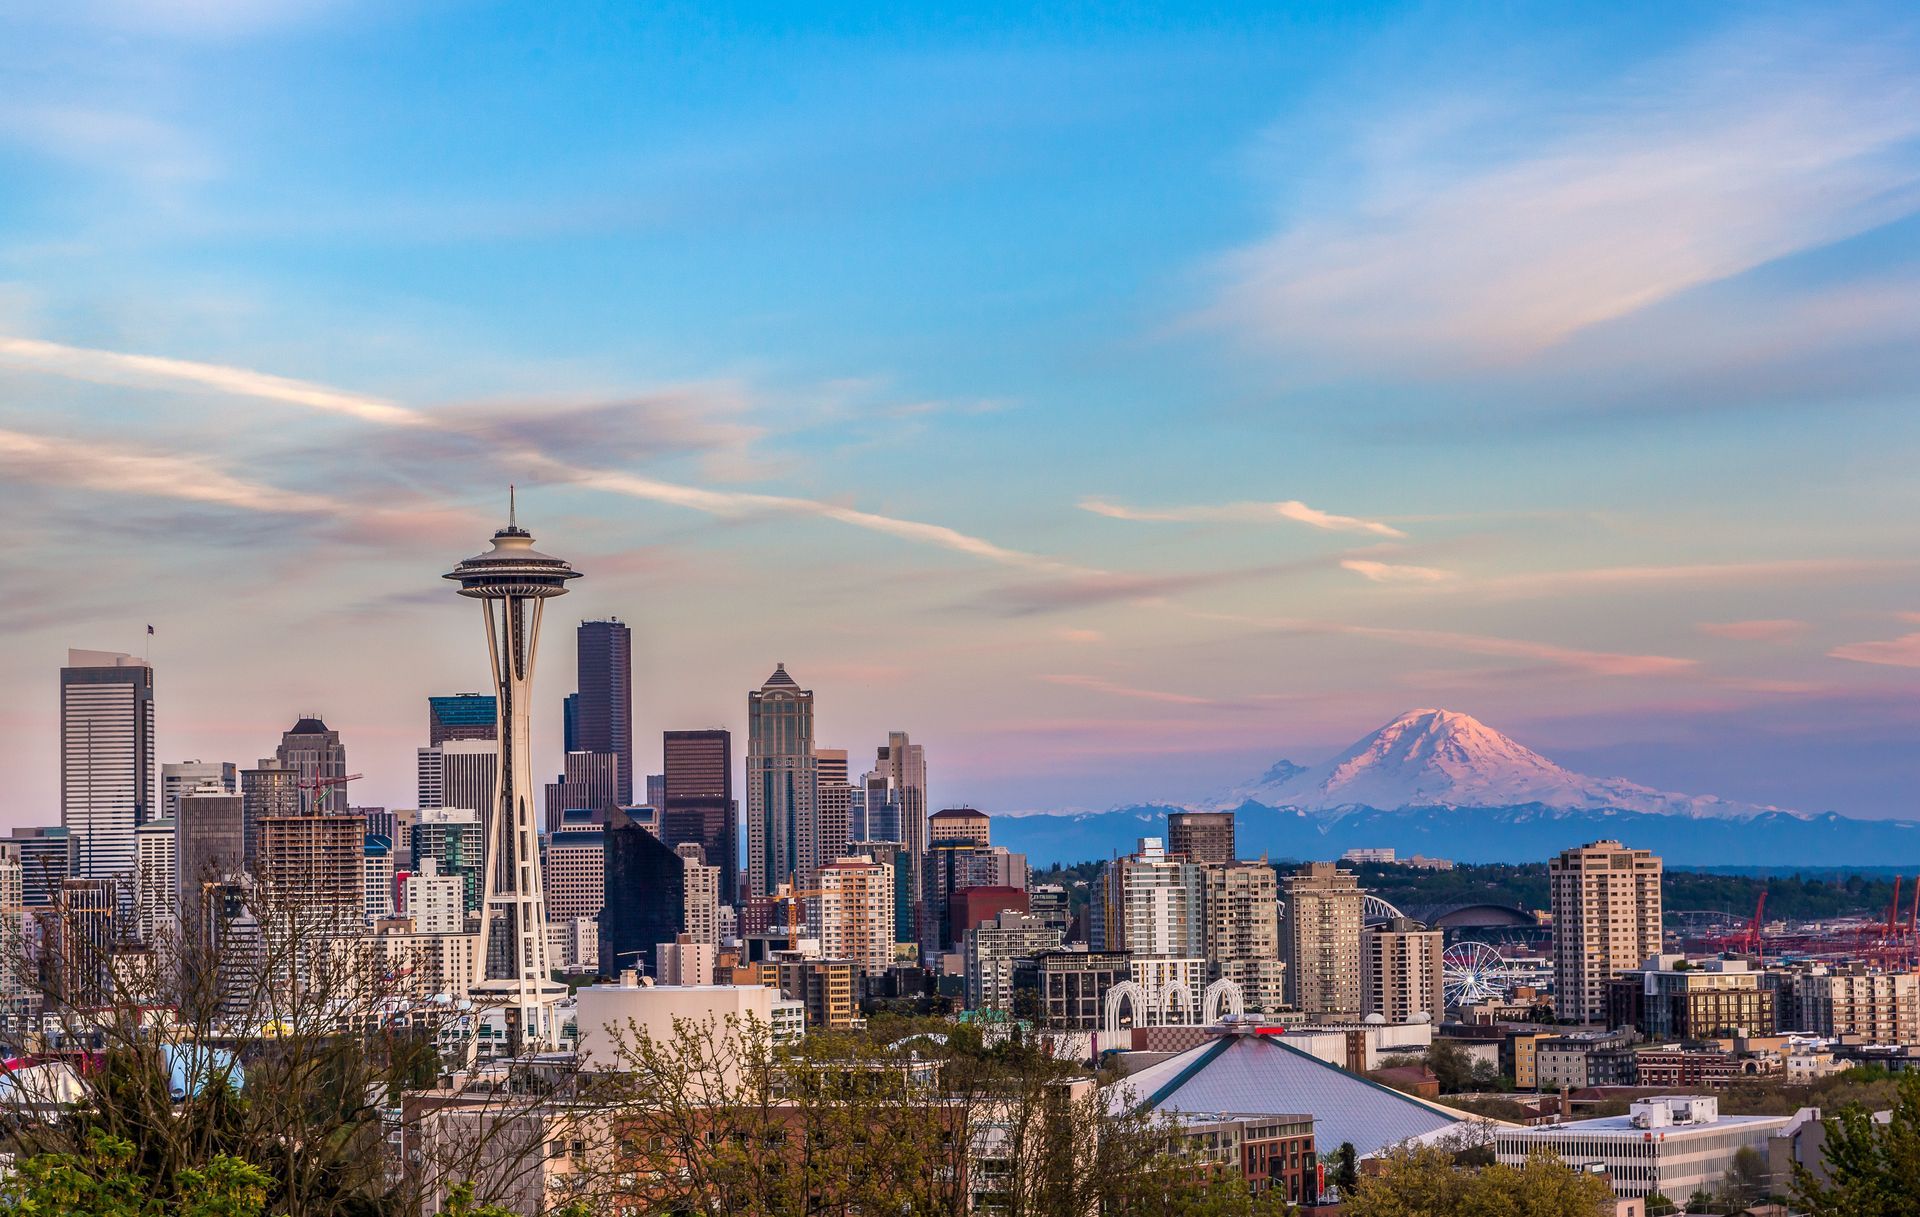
x: 1115, y: 398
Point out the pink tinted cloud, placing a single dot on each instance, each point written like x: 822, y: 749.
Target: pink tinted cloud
x: 1901, y: 652
x: 1095, y: 684
x: 1781, y: 629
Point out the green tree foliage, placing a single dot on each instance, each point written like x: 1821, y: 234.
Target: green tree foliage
x: 103, y: 1183
x: 1872, y: 1169
x: 1346, y: 1168
x: 1748, y: 1177
x: 1425, y: 1182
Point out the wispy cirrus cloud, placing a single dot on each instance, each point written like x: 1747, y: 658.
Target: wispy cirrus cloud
x: 1111, y: 689
x: 1241, y: 513
x: 113, y: 367
x: 1686, y: 170
x: 1396, y: 572
x: 1597, y: 663
x: 60, y: 461
x: 1779, y: 629
x: 1547, y: 583
x: 1901, y: 652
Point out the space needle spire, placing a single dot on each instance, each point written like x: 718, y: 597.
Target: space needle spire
x: 511, y: 581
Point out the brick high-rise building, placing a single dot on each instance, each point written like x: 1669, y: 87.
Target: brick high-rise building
x: 603, y: 720
x: 1605, y: 900
x: 959, y: 824
x: 1400, y: 971
x: 697, y: 803
x: 1242, y: 941
x: 1320, y: 942
x: 1203, y: 836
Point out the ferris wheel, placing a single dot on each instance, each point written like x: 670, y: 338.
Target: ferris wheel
x: 1472, y: 972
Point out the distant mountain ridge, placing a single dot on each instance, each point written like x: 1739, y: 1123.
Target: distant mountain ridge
x: 1443, y: 783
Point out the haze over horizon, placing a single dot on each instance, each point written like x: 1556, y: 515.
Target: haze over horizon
x: 1117, y: 404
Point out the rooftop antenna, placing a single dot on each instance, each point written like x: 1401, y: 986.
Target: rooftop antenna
x: 512, y: 520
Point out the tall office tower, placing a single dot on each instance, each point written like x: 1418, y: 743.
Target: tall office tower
x: 1605, y: 900
x: 959, y: 824
x: 854, y: 913
x: 376, y: 871
x: 513, y: 581
x: 646, y: 897
x: 994, y: 948
x: 783, y: 824
x: 656, y: 789
x: 876, y: 811
x: 315, y: 752
x: 211, y: 842
x: 905, y: 766
x: 426, y: 777
x: 589, y: 783
x: 463, y: 773
x: 185, y: 777
x: 1243, y: 931
x: 702, y: 919
x: 461, y: 716
x: 574, y: 856
x: 1154, y: 904
x: 314, y: 869
x: 570, y: 722
x: 46, y: 861
x: 453, y: 838
x: 1400, y: 971
x: 834, y: 798
x: 1320, y: 942
x: 604, y: 721
x: 696, y: 801
x: 1203, y: 836
x: 156, y: 879
x: 268, y: 789
x: 107, y: 770
x: 436, y: 902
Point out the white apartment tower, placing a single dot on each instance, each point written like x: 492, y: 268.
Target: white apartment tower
x: 1153, y: 903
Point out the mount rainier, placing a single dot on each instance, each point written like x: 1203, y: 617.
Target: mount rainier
x: 1443, y: 783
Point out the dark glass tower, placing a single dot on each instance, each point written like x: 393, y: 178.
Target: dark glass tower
x: 646, y: 897
x: 603, y: 721
x: 698, y: 801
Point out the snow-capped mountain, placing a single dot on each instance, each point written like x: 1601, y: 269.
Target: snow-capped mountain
x: 1442, y: 758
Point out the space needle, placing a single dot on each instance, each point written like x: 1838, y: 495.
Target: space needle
x: 511, y: 581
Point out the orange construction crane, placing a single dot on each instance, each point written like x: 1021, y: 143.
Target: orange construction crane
x: 321, y: 800
x: 795, y: 915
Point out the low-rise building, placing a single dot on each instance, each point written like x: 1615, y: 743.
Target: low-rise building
x: 1581, y: 1059
x: 1666, y: 998
x: 1673, y: 1144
